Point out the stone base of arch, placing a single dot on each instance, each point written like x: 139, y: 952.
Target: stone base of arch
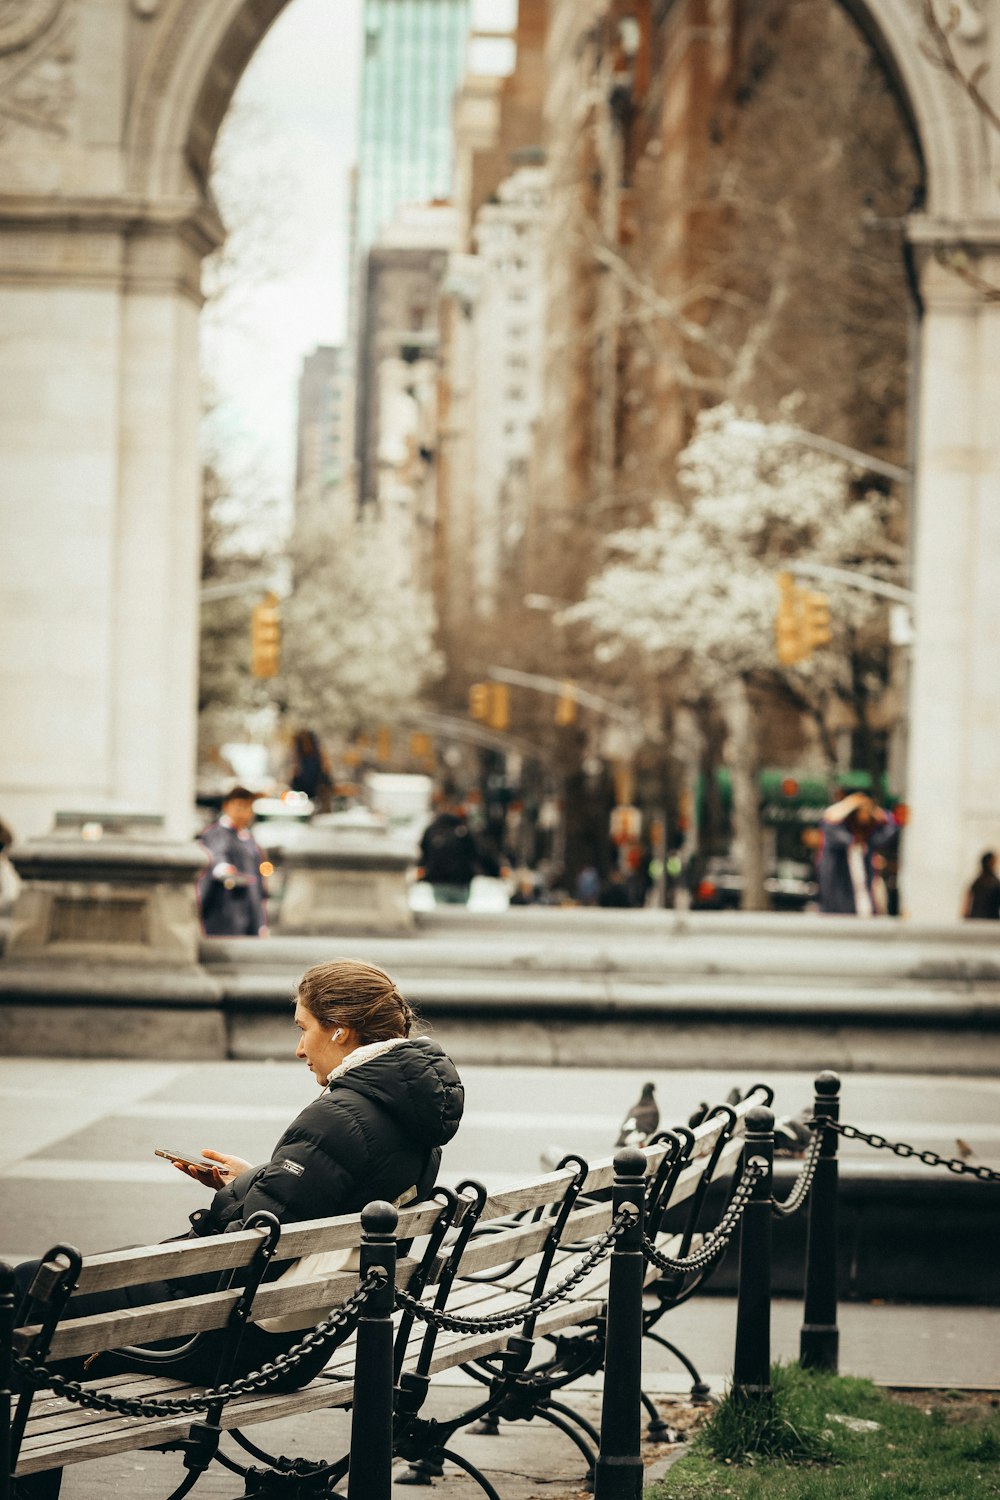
x: 100, y: 493
x: 954, y: 740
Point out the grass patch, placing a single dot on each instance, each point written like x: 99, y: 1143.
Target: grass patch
x: 813, y: 1444
x: 792, y: 1426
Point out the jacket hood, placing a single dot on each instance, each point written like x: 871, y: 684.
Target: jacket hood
x: 416, y: 1083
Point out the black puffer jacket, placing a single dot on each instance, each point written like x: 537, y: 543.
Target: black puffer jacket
x: 372, y: 1133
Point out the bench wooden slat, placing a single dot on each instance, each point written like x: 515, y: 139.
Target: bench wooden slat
x: 176, y: 1258
x: 120, y: 1433
x: 189, y: 1315
x: 500, y: 1247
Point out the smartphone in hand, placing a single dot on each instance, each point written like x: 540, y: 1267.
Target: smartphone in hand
x: 186, y: 1159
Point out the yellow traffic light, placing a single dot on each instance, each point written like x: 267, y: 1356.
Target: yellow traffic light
x: 490, y: 702
x: 499, y: 710
x: 421, y: 746
x: 265, y: 637
x: 802, y: 622
x: 815, y: 621
x: 788, y: 626
x: 566, y: 704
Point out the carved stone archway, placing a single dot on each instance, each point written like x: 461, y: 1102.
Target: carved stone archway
x: 109, y: 110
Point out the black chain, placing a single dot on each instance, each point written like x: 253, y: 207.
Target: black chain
x: 900, y: 1148
x: 496, y: 1322
x: 802, y: 1183
x: 714, y: 1244
x: 259, y: 1380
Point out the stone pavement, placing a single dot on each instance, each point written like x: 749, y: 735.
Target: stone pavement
x: 75, y: 1162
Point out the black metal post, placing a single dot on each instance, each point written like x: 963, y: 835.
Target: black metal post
x: 370, y: 1476
x: 752, y: 1364
x: 7, y: 1294
x: 619, y: 1466
x: 819, y: 1338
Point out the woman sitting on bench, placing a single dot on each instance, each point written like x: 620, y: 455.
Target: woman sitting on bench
x: 388, y: 1104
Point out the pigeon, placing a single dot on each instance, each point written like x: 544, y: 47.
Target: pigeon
x: 641, y: 1121
x: 792, y: 1135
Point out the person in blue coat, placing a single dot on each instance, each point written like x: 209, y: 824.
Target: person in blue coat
x: 231, y: 890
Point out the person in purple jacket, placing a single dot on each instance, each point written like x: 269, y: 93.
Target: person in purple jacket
x: 853, y: 829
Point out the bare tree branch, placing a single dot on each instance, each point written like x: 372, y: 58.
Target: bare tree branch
x: 944, y: 55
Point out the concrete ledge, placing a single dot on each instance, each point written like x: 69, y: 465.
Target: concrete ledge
x: 164, y: 1031
x: 904, y: 1233
x: 553, y: 1040
x: 144, y: 986
x: 586, y: 988
x: 809, y: 925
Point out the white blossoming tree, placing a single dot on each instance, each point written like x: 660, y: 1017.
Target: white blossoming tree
x: 695, y: 591
x: 357, y: 642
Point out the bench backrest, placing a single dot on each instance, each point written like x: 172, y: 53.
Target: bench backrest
x: 217, y: 1254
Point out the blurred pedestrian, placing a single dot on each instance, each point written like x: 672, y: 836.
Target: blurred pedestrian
x: 638, y: 880
x: 614, y: 891
x: 310, y: 772
x: 849, y: 869
x: 231, y: 891
x: 449, y: 856
x: 528, y: 891
x: 588, y: 886
x: 982, y: 900
x: 9, y: 883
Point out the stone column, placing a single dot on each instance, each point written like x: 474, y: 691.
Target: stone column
x: 99, y: 407
x: 954, y: 751
x: 100, y: 502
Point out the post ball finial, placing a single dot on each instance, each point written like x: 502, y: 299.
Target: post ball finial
x: 379, y: 1218
x: 760, y: 1120
x: 630, y: 1162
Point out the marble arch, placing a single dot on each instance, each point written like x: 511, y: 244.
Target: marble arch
x: 109, y: 110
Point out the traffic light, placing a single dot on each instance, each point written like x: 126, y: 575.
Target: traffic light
x: 802, y: 622
x: 789, y: 635
x: 816, y: 621
x: 499, y: 710
x: 490, y: 702
x: 265, y: 637
x: 566, y: 704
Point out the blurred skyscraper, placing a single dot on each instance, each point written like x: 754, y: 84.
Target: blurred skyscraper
x: 324, y: 436
x: 414, y: 54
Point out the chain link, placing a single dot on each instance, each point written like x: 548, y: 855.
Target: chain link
x: 802, y: 1183
x: 900, y: 1148
x: 497, y: 1322
x: 714, y: 1244
x: 259, y: 1380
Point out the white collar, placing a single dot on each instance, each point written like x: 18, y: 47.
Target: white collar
x: 364, y: 1054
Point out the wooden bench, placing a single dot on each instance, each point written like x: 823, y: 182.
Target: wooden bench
x: 569, y: 1209
x: 499, y: 1257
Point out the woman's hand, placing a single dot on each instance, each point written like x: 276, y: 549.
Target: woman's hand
x: 215, y: 1177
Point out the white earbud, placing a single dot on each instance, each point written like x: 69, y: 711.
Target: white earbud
x: 334, y: 1034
